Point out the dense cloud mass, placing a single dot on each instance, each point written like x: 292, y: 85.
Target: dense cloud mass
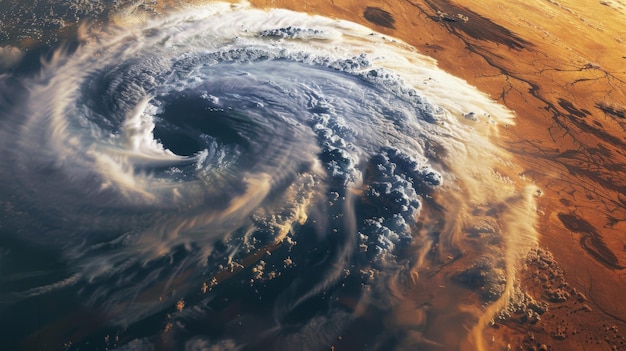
x: 306, y: 172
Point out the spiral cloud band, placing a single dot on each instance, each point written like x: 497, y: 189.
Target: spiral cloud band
x: 318, y: 178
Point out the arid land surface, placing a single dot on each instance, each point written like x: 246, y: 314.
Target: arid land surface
x: 561, y: 66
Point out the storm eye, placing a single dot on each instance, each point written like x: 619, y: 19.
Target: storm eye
x: 188, y: 123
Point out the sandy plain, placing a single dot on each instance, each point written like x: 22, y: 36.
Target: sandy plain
x: 561, y: 66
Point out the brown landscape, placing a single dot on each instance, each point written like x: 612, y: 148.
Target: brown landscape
x: 561, y: 66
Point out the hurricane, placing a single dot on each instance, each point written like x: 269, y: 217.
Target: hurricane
x: 231, y: 178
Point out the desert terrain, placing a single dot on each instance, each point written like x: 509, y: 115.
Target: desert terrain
x: 560, y: 67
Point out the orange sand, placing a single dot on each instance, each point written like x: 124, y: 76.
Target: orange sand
x: 561, y: 66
